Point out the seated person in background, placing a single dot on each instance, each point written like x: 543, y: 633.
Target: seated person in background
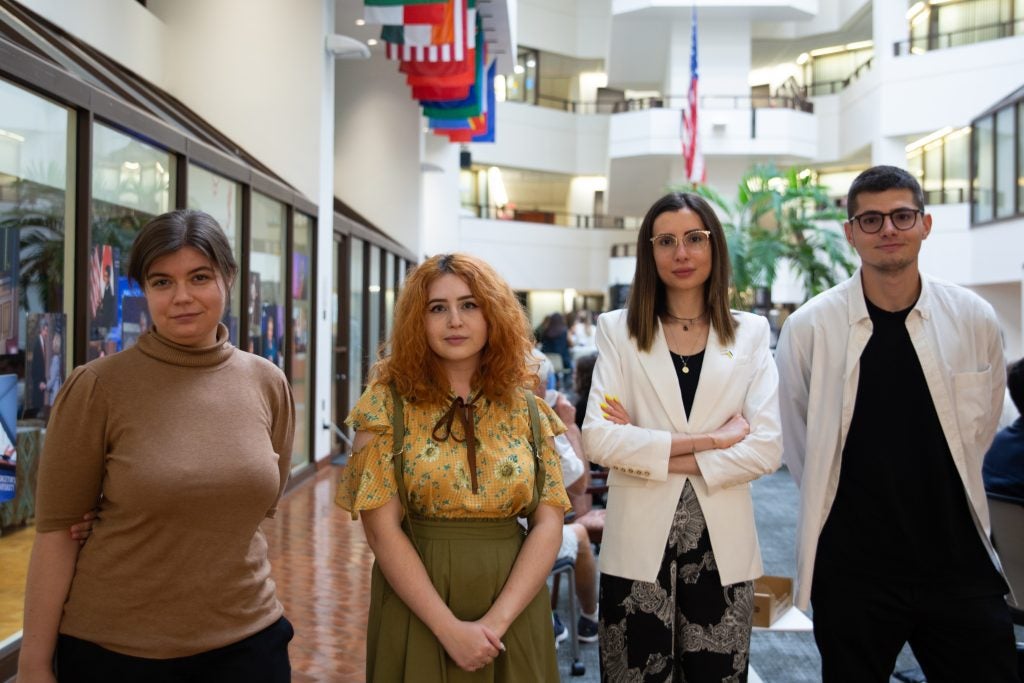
x: 575, y: 540
x: 1003, y: 471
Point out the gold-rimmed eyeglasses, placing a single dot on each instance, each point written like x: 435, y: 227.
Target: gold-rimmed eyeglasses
x: 695, y: 241
x: 872, y: 221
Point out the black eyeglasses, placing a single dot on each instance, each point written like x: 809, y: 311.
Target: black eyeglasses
x: 872, y: 221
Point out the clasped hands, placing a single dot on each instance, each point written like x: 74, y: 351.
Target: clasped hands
x: 472, y: 645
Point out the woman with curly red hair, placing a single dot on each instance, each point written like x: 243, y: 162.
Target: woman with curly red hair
x: 458, y: 590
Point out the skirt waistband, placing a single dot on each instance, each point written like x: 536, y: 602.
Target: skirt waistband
x: 451, y: 529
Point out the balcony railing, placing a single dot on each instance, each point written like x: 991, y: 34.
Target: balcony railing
x: 967, y: 36
x: 832, y: 87
x: 677, y: 102
x: 548, y: 217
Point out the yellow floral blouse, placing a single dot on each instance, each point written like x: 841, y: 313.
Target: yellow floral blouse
x: 436, y: 472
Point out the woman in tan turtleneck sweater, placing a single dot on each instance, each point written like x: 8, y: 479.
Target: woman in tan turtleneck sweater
x: 183, y: 442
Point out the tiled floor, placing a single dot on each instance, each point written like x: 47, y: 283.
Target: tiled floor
x: 321, y: 564
x: 14, y: 553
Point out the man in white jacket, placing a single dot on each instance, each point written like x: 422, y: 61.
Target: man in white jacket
x: 891, y: 385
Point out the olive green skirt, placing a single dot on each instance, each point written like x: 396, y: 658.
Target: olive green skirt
x: 468, y: 562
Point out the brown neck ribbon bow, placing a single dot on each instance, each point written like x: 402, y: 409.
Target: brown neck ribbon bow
x: 443, y: 430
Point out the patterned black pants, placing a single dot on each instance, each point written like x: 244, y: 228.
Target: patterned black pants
x: 686, y: 627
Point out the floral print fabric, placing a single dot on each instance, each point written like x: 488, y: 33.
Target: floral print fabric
x: 436, y: 472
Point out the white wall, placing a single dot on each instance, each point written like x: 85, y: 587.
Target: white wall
x: 105, y: 24
x: 252, y: 68
x: 377, y: 147
x: 543, y: 139
x: 533, y: 256
x: 577, y: 28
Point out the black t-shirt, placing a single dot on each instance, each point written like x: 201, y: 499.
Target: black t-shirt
x: 688, y: 380
x: 900, y: 510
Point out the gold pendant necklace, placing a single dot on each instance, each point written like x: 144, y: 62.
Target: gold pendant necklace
x: 685, y: 367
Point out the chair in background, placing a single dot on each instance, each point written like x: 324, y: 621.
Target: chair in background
x: 565, y: 566
x: 1007, y: 516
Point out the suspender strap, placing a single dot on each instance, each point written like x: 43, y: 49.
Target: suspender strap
x: 398, y: 460
x: 535, y: 444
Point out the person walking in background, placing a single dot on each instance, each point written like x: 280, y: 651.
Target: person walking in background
x: 1003, y: 468
x: 184, y: 444
x: 683, y: 410
x: 554, y: 339
x: 450, y: 448
x: 891, y: 384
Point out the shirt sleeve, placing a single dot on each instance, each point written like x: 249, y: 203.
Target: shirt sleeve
x: 368, y: 481
x: 553, y: 491
x: 73, y: 461
x: 283, y: 434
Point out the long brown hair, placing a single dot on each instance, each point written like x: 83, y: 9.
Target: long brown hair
x: 415, y: 369
x: 647, y: 298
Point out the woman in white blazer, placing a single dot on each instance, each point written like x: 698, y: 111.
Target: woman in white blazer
x: 684, y: 412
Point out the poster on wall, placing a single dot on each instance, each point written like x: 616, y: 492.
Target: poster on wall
x: 103, y: 286
x: 272, y: 327
x: 300, y: 276
x: 8, y: 427
x: 44, y: 362
x: 254, y: 313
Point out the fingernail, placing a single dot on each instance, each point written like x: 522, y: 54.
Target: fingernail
x: 502, y: 645
x: 604, y: 406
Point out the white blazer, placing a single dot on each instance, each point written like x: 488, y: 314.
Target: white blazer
x: 642, y: 494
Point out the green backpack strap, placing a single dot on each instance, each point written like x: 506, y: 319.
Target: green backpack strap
x: 398, y: 459
x: 535, y: 444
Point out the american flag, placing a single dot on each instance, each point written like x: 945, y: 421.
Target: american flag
x: 695, y: 171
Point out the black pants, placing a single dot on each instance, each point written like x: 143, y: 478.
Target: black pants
x: 260, y: 658
x: 860, y: 627
x: 684, y: 627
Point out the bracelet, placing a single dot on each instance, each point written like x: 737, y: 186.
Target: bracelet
x: 713, y: 444
x: 693, y: 446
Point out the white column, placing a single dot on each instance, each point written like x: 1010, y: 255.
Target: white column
x: 324, y: 345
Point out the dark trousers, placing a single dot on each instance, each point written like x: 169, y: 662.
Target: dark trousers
x: 260, y: 658
x: 685, y: 626
x: 860, y: 627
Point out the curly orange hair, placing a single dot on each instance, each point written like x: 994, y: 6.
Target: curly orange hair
x: 415, y: 369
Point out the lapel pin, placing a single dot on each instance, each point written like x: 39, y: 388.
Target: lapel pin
x: 727, y: 352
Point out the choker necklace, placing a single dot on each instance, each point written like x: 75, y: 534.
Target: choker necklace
x: 685, y: 321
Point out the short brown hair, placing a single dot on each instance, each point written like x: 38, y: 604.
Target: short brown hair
x: 647, y: 294
x: 171, y: 231
x: 414, y: 368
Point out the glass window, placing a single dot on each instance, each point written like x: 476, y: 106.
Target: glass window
x: 956, y: 155
x: 1020, y: 154
x: 355, y: 355
x: 222, y: 199
x: 933, y: 173
x: 266, y: 279
x: 35, y: 264
x: 131, y: 183
x: 521, y: 85
x: 915, y: 164
x: 302, y: 254
x: 374, y: 295
x: 1006, y: 153
x: 982, y: 208
x: 337, y: 342
x: 389, y: 293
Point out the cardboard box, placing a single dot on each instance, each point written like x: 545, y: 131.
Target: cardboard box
x: 773, y: 595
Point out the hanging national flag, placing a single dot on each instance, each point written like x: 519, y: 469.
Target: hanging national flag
x: 431, y: 12
x: 460, y: 31
x: 487, y: 134
x: 695, y: 170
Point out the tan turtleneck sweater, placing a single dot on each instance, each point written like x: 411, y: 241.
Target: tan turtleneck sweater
x: 185, y: 451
